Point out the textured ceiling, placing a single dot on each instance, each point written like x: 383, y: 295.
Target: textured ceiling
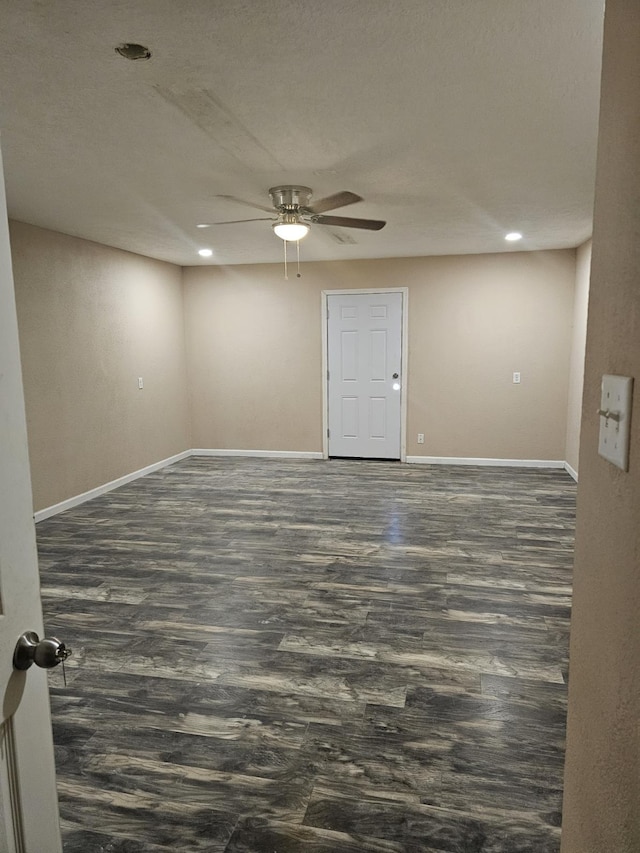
x: 456, y: 120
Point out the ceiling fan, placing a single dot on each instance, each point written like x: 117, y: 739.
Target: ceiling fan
x: 294, y: 214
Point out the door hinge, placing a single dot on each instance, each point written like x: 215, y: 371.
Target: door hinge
x: 328, y: 433
x: 327, y: 375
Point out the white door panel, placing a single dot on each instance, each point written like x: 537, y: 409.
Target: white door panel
x: 28, y: 805
x: 377, y: 417
x: 349, y: 356
x: 378, y: 360
x: 364, y: 359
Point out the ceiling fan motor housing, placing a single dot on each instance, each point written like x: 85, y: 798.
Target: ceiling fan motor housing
x: 290, y: 197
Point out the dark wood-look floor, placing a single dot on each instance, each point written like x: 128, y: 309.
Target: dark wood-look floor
x: 331, y: 657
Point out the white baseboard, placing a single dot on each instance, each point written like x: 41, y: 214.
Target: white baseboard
x: 47, y: 512
x: 268, y: 454
x: 498, y: 463
x: 571, y: 471
x: 107, y: 487
x: 286, y: 454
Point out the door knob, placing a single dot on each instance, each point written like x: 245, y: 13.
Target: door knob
x: 45, y: 653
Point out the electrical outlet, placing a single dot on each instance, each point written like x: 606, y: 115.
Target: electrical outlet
x: 420, y: 438
x: 516, y: 377
x: 140, y: 382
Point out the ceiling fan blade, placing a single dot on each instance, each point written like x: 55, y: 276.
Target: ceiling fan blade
x: 349, y: 222
x: 331, y: 202
x: 247, y: 203
x: 235, y: 221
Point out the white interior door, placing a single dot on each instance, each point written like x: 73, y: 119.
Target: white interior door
x: 29, y: 809
x: 364, y: 384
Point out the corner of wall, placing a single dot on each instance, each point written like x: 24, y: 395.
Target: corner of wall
x: 183, y: 291
x: 577, y: 357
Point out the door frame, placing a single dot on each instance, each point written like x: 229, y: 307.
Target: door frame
x: 404, y: 366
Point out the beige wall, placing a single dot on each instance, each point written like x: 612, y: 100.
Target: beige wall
x: 92, y: 319
x: 578, y: 345
x: 602, y: 782
x: 253, y: 348
x: 254, y: 352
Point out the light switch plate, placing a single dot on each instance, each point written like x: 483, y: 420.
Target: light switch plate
x: 615, y: 419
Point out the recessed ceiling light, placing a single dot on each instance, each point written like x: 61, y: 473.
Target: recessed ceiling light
x: 133, y: 51
x: 512, y: 236
x: 205, y: 253
x: 203, y: 225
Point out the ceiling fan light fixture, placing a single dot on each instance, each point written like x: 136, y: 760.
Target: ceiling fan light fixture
x: 290, y: 228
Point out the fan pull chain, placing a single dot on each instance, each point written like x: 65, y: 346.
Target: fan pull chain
x: 285, y: 260
x: 298, y: 253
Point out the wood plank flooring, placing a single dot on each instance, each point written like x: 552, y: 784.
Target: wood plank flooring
x: 272, y: 656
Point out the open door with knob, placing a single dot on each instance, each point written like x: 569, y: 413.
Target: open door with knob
x: 28, y: 804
